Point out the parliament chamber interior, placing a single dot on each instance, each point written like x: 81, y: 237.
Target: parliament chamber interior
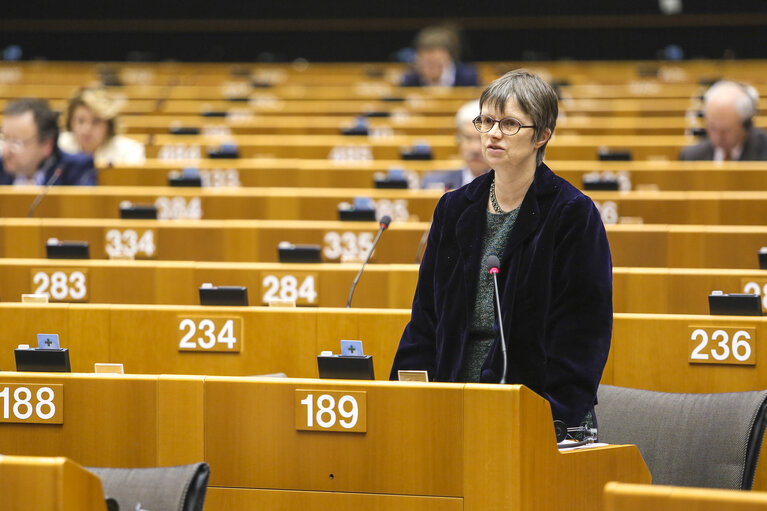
x: 237, y: 269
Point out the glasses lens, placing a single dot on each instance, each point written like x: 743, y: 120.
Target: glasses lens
x: 509, y: 126
x: 484, y: 123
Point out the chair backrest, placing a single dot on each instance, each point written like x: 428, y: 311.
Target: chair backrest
x: 705, y: 440
x: 180, y: 488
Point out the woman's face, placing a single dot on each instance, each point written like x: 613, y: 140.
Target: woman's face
x: 510, y: 152
x: 90, y: 131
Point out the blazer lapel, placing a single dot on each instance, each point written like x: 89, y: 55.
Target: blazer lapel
x: 469, y: 230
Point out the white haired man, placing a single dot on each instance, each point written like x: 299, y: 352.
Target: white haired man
x: 470, y: 148
x: 730, y: 135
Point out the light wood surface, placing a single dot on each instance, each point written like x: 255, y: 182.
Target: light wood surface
x: 426, y: 446
x: 291, y: 172
x: 650, y: 351
x: 112, y: 420
x: 648, y: 245
x: 50, y: 484
x: 386, y: 286
x: 651, y: 207
x: 639, y: 497
x: 493, y: 446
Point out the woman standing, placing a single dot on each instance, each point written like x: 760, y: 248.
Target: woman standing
x: 555, y: 280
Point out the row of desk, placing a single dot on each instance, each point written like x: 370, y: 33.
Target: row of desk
x: 270, y: 203
x: 406, y: 446
x: 671, y: 353
x: 641, y: 245
x: 323, y: 173
x: 384, y: 286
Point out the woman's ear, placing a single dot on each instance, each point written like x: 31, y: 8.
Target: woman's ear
x: 544, y: 138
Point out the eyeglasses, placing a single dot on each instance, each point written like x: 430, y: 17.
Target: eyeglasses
x: 15, y: 145
x: 509, y: 125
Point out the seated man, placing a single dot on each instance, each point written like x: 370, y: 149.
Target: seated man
x: 30, y: 154
x: 437, y: 49
x: 469, y: 146
x: 730, y: 135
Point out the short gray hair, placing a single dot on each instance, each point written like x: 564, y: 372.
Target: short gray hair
x: 466, y: 113
x: 745, y: 97
x: 534, y: 96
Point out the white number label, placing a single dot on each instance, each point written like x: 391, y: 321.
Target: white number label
x: 177, y: 208
x: 179, y: 152
x: 351, y: 153
x: 723, y: 345
x: 331, y: 411
x: 131, y: 243
x: 210, y: 334
x: 347, y: 245
x: 300, y: 287
x: 396, y: 209
x: 757, y: 288
x: 61, y: 284
x: 220, y: 177
x: 39, y: 404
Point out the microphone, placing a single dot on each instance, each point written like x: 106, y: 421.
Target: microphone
x: 492, y: 265
x: 54, y: 177
x: 384, y: 222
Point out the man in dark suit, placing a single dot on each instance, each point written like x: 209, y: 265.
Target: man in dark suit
x: 730, y: 135
x: 437, y: 50
x: 30, y: 154
x: 470, y: 147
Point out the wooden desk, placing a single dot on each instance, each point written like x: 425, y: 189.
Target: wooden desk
x: 572, y: 147
x: 217, y: 203
x: 643, y: 290
x: 147, y: 339
x: 423, y: 446
x: 640, y: 497
x: 288, y: 172
x: 650, y: 351
x: 52, y: 484
x: 678, y: 246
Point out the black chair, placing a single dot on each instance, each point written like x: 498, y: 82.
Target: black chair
x: 180, y: 488
x: 703, y: 440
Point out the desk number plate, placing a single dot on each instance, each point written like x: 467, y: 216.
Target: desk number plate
x: 31, y: 403
x: 323, y: 410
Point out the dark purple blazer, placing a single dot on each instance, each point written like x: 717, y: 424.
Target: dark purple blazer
x: 77, y: 169
x: 555, y: 284
x: 465, y: 76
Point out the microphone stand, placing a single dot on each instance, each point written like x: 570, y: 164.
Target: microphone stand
x: 385, y: 220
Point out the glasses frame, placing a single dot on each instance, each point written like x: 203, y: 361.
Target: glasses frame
x: 15, y: 145
x: 499, y: 121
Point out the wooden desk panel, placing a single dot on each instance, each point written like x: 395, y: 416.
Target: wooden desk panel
x: 285, y: 172
x: 652, y: 352
x: 640, y: 497
x: 635, y: 289
x: 651, y: 207
x: 273, y: 340
x: 571, y: 147
x: 679, y: 246
x: 52, y: 484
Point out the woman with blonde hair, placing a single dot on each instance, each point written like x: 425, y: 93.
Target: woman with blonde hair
x: 91, y: 127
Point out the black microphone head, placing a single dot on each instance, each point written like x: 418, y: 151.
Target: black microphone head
x: 493, y: 262
x: 385, y: 221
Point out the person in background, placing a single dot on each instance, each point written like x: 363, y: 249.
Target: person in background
x: 555, y: 278
x: 91, y: 128
x: 30, y: 154
x: 730, y: 108
x: 436, y: 61
x: 470, y: 148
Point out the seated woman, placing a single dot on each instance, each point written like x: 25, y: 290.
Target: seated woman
x: 555, y: 278
x: 91, y: 127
